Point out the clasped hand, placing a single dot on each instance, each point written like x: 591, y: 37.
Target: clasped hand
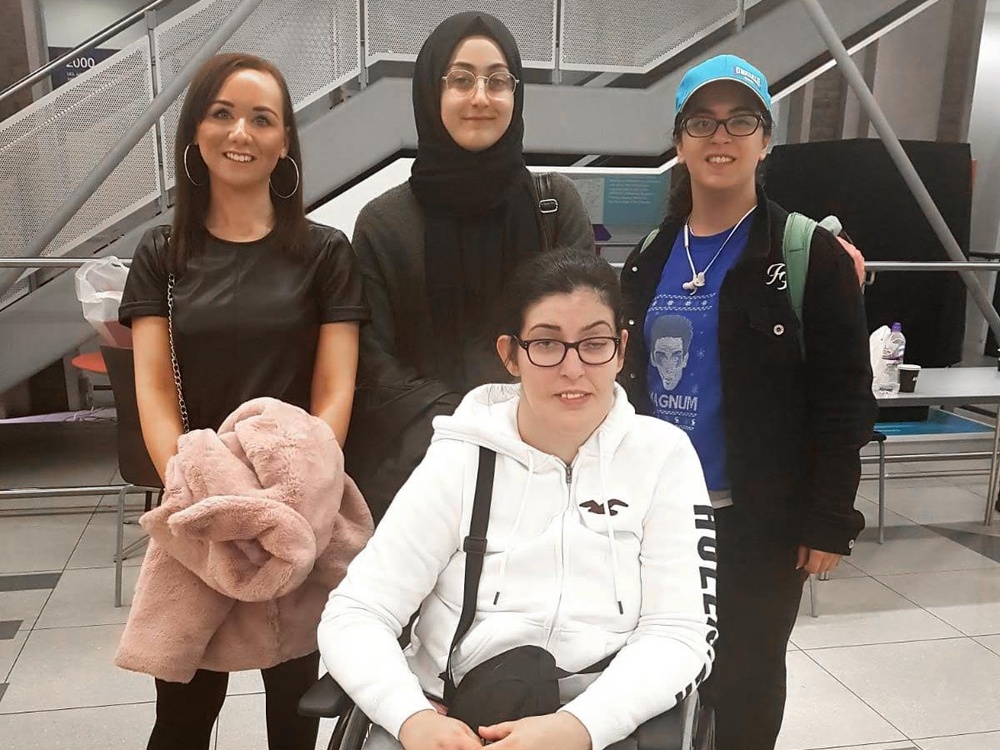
x: 430, y: 730
x: 816, y: 561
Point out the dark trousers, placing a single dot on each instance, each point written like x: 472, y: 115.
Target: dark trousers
x: 758, y: 595
x: 185, y: 712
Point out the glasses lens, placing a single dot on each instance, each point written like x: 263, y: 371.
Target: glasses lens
x: 598, y: 350
x: 500, y: 84
x: 546, y: 352
x: 460, y: 81
x: 700, y: 127
x: 742, y: 125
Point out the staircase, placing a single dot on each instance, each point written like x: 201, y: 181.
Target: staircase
x: 600, y: 81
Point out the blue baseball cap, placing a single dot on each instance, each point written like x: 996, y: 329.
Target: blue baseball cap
x: 722, y: 68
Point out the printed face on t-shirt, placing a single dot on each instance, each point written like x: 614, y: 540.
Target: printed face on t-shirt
x: 670, y: 359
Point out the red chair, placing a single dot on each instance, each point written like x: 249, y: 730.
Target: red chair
x: 91, y: 363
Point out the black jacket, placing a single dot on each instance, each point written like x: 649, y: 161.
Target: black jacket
x: 401, y: 386
x: 793, y: 428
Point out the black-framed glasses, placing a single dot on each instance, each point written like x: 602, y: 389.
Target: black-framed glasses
x: 464, y: 82
x: 594, y: 350
x: 739, y: 126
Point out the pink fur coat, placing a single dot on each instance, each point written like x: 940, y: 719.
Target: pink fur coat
x: 257, y: 525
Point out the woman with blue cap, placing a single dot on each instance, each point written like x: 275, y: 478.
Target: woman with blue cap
x: 777, y: 403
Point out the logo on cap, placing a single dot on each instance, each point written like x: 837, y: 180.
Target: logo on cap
x: 747, y: 74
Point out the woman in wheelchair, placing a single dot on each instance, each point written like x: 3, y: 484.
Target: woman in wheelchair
x: 600, y: 547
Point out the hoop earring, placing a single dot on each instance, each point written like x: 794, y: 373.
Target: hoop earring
x: 297, y: 179
x: 188, y: 171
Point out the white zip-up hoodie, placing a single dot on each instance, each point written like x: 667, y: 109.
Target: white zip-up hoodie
x: 614, y: 554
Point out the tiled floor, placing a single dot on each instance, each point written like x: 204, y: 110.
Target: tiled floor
x: 905, y: 653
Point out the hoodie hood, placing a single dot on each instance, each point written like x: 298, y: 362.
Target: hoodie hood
x: 487, y: 417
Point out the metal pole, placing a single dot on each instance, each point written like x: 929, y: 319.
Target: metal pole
x: 857, y: 82
x: 557, y: 45
x: 931, y: 265
x: 49, y: 262
x: 132, y: 136
x: 991, y: 486
x: 101, y: 36
x: 881, y: 491
x: 31, y: 493
x: 161, y: 156
x: 362, y: 45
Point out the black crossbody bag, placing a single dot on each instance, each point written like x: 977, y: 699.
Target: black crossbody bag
x: 520, y: 682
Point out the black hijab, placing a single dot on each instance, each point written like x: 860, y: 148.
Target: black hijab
x: 480, y: 208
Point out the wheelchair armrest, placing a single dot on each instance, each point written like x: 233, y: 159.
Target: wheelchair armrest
x: 673, y: 730
x: 325, y: 700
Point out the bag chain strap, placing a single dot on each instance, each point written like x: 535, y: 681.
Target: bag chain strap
x: 173, y: 353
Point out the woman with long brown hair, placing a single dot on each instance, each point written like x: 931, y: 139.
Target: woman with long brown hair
x: 240, y: 298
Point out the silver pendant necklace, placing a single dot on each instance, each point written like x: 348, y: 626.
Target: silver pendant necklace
x: 698, y: 277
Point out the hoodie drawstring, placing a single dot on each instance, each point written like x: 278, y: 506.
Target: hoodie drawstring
x: 611, y: 532
x: 517, y: 522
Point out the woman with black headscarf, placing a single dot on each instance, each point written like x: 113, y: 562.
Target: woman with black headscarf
x: 435, y: 251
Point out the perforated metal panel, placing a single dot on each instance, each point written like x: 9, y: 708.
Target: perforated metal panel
x: 314, y: 43
x: 48, y: 148
x: 395, y: 29
x: 634, y: 36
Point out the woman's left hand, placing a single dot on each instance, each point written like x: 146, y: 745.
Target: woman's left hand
x: 561, y: 729
x: 816, y: 561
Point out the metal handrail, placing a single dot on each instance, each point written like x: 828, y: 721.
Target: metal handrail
x: 30, y: 493
x: 101, y: 36
x: 52, y: 262
x: 153, y: 111
x: 911, y: 177
x: 930, y: 265
x: 870, y: 266
x: 875, y: 266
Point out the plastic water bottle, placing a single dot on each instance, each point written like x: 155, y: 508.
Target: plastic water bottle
x: 892, y: 358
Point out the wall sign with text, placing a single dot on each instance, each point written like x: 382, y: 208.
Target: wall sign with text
x: 79, y: 64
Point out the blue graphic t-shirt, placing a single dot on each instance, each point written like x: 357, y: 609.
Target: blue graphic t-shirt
x: 682, y: 335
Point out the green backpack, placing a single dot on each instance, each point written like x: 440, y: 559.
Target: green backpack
x: 795, y: 244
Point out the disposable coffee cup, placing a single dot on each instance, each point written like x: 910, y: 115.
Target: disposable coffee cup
x: 908, y: 375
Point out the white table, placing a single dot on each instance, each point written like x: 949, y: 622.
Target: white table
x: 957, y: 386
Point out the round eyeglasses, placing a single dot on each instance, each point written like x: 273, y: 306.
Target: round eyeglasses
x: 463, y: 83
x: 595, y: 350
x: 739, y: 126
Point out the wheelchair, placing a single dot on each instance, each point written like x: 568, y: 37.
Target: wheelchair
x: 684, y: 727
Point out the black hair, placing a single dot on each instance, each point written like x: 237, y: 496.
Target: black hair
x: 559, y: 271
x: 679, y: 204
x: 673, y: 326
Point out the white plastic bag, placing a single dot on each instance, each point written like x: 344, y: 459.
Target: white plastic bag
x: 876, y: 342
x: 99, y: 286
